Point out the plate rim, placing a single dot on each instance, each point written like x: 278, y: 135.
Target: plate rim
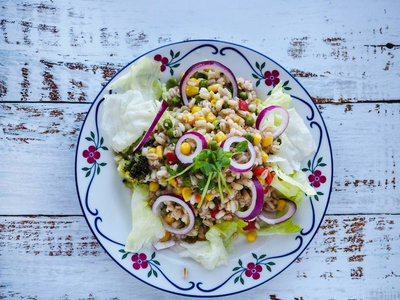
x: 96, y: 100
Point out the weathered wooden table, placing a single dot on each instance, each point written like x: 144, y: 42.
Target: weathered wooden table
x: 54, y: 58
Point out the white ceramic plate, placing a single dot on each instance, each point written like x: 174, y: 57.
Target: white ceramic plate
x: 105, y: 201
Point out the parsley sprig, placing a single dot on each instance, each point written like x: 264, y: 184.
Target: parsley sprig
x: 210, y: 163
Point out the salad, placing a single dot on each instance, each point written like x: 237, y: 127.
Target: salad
x: 206, y: 158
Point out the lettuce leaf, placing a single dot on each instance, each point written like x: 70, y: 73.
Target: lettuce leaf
x: 286, y: 227
x: 287, y: 183
x: 278, y: 97
x: 147, y: 227
x: 214, y: 251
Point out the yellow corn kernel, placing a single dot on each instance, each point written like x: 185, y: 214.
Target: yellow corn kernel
x: 210, y: 197
x: 186, y: 193
x: 183, y: 73
x: 165, y: 237
x: 264, y: 156
x: 173, y: 182
x: 251, y: 236
x: 258, y: 101
x: 190, y: 119
x: 281, y: 204
x: 185, y: 148
x: 210, y: 117
x: 152, y: 150
x: 208, y: 70
x: 211, y: 95
x: 178, y: 190
x: 267, y: 141
x: 220, y: 137
x: 191, y: 90
x: 196, y: 109
x: 214, y: 87
x: 262, y: 180
x: 235, y: 118
x: 195, y: 81
x: 154, y: 186
x: 200, y: 118
x: 169, y: 218
x: 160, y: 151
x: 214, y: 102
x: 256, y: 139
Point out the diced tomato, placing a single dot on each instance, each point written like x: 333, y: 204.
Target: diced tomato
x: 269, y: 178
x: 198, y: 198
x: 258, y: 171
x: 250, y: 226
x: 172, y: 159
x: 243, y: 105
x: 214, y: 212
x: 266, y: 189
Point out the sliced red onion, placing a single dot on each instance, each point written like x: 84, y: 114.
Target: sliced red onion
x: 209, y: 64
x: 235, y: 166
x: 164, y: 245
x: 201, y: 144
x: 272, y: 110
x: 164, y: 106
x: 158, y: 204
x: 271, y: 217
x: 257, y: 201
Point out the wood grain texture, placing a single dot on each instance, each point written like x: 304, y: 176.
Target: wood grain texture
x: 360, y: 252
x: 65, y: 51
x: 39, y: 155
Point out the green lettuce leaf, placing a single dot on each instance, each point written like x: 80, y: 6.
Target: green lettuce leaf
x: 286, y: 227
x: 278, y: 97
x: 288, y: 183
x: 147, y: 227
x: 214, y: 251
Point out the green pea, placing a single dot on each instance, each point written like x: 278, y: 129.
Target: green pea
x: 249, y: 137
x: 170, y: 133
x: 167, y: 124
x: 176, y: 101
x: 198, y: 99
x: 249, y: 121
x: 216, y: 124
x: 203, y: 83
x: 243, y: 95
x: 225, y: 105
x: 172, y: 82
x: 199, y: 75
x: 198, y: 221
x: 174, y: 140
x: 213, y: 145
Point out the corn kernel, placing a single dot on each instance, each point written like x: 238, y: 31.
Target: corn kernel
x: 267, y: 141
x: 210, y: 197
x: 183, y: 73
x: 190, y: 119
x: 251, y: 236
x: 165, y: 237
x: 211, y: 95
x: 208, y: 70
x: 281, y: 204
x: 191, y: 90
x: 152, y: 150
x: 185, y: 148
x: 210, y: 117
x: 200, y: 118
x: 214, y: 87
x: 178, y: 190
x: 262, y: 180
x: 220, y: 137
x: 194, y: 81
x: 186, y: 193
x: 154, y: 186
x: 258, y: 101
x: 256, y: 139
x: 168, y: 218
x: 264, y: 156
x: 173, y: 182
x: 214, y: 102
x: 160, y: 151
x: 196, y: 109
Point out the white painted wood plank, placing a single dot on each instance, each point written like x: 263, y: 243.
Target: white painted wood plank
x: 351, y: 257
x: 38, y: 151
x: 64, y: 51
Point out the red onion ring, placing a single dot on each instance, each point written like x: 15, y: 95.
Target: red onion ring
x: 257, y: 201
x: 163, y: 108
x: 270, y: 110
x: 235, y: 166
x: 164, y: 245
x: 209, y: 64
x: 201, y: 144
x: 157, y: 205
x: 270, y: 217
